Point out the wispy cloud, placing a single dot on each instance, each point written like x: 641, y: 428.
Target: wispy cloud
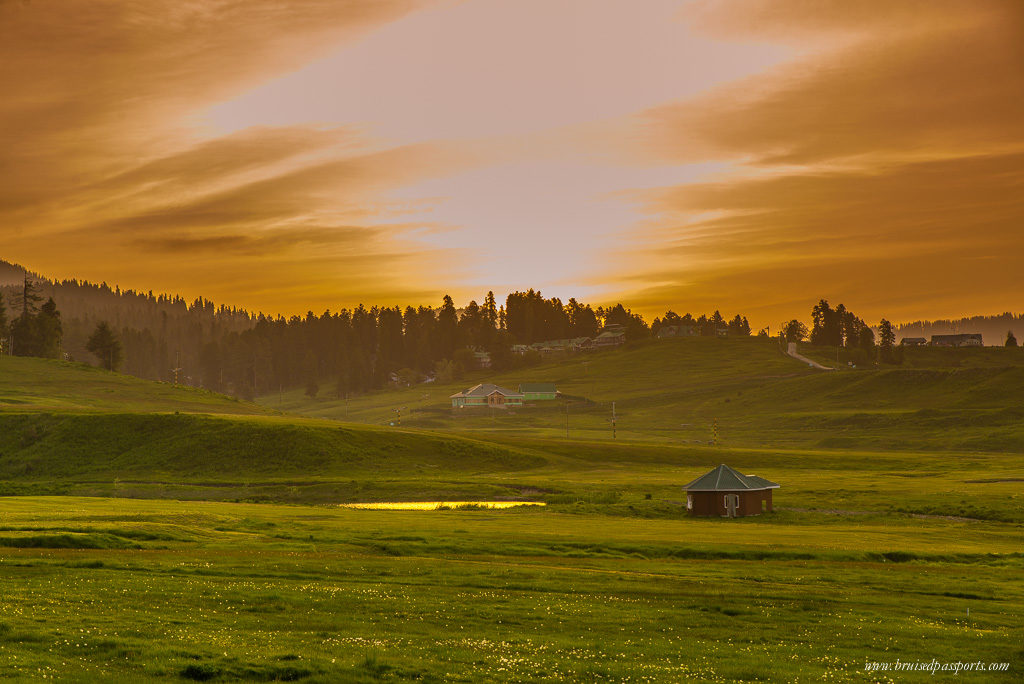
x: 887, y: 170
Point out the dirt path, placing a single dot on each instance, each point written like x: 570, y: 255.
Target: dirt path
x: 791, y: 350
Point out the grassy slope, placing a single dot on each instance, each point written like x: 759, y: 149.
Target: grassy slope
x: 674, y: 390
x: 145, y: 590
x: 69, y: 427
x: 33, y: 385
x: 610, y: 581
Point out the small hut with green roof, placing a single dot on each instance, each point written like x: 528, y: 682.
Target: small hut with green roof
x: 729, y: 494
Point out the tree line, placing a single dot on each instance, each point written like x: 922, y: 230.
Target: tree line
x: 343, y: 352
x: 843, y: 329
x: 36, y: 330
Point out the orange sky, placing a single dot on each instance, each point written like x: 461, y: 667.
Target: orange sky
x: 749, y: 155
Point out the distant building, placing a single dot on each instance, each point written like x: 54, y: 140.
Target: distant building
x: 913, y: 341
x: 965, y: 340
x: 579, y: 343
x: 486, y: 394
x: 729, y: 494
x: 676, y: 331
x: 608, y: 338
x: 483, y: 359
x: 538, y: 391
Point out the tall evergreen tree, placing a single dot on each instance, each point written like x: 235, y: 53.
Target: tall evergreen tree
x: 490, y: 311
x: 49, y: 331
x: 1011, y: 341
x: 866, y: 342
x: 794, y: 331
x: 3, y: 325
x: 106, y: 346
x: 886, y: 342
x: 827, y: 327
x: 447, y: 328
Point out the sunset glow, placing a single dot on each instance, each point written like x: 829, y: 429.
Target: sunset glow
x: 751, y: 156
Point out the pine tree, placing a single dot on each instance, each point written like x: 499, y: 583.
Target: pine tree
x: 3, y: 325
x: 106, y: 346
x: 49, y: 331
x: 447, y: 328
x: 1011, y: 341
x: 794, y: 331
x: 886, y: 342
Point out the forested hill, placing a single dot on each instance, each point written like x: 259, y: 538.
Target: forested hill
x: 346, y: 351
x: 155, y: 330
x: 992, y: 328
x: 10, y: 274
x: 349, y: 351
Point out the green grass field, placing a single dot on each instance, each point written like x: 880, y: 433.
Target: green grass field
x: 34, y: 385
x: 159, y: 533
x: 122, y: 589
x: 674, y: 391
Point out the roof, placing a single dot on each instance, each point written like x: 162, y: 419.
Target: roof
x: 724, y: 478
x: 611, y: 333
x: 962, y: 336
x: 485, y: 389
x: 538, y: 387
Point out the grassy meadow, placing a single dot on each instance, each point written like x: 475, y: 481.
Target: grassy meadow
x: 674, y: 391
x: 127, y: 589
x: 151, y: 532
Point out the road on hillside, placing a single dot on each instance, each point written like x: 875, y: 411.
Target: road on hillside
x: 791, y: 350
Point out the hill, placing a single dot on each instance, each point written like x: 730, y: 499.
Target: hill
x: 67, y: 427
x: 676, y: 390
x: 28, y: 384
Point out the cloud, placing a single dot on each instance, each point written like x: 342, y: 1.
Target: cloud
x: 935, y: 87
x: 109, y: 172
x: 888, y: 169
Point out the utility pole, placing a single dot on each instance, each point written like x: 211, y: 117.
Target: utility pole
x: 177, y: 365
x: 613, y: 420
x: 714, y: 433
x: 567, y: 419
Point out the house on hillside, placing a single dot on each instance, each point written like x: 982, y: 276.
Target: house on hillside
x: 676, y: 331
x: 609, y: 338
x: 538, y: 391
x: 578, y: 343
x: 483, y: 359
x: 486, y: 394
x: 729, y: 494
x: 549, y: 348
x: 964, y: 340
x: 913, y: 341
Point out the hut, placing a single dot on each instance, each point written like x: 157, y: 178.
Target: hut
x: 486, y: 394
x: 729, y: 494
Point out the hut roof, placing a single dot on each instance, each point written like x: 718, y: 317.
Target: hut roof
x: 485, y: 389
x: 724, y: 478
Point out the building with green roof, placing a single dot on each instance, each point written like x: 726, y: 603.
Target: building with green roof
x: 538, y: 391
x: 729, y: 493
x: 486, y: 394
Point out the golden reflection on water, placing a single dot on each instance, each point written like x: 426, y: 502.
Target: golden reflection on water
x: 435, y: 505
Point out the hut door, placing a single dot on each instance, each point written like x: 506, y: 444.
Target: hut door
x: 732, y: 502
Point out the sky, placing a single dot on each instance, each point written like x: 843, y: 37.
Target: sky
x: 751, y: 156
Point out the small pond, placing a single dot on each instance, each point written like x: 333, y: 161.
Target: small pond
x: 438, y: 505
